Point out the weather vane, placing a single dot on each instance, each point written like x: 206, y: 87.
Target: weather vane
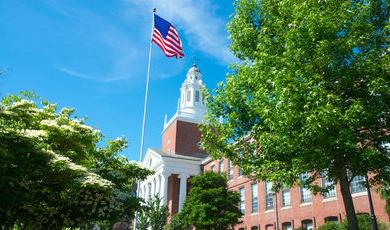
x: 194, y: 59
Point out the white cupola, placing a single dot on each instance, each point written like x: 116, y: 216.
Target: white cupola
x: 190, y: 107
x: 191, y: 102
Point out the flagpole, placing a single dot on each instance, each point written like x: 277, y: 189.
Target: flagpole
x: 141, y: 151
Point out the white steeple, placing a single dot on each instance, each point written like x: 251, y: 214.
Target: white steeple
x: 191, y: 106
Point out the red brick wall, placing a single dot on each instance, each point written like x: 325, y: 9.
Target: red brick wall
x: 317, y: 211
x: 182, y: 138
x: 173, y: 193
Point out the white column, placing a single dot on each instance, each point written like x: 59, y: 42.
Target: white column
x: 153, y: 187
x: 183, y: 189
x: 164, y: 187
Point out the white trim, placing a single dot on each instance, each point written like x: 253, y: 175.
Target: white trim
x: 359, y: 194
x: 324, y: 200
x: 305, y: 204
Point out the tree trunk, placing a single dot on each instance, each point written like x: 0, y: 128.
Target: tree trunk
x: 348, y: 202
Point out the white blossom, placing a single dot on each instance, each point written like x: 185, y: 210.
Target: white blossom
x: 30, y: 133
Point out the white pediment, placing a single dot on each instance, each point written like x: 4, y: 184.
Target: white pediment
x: 152, y: 160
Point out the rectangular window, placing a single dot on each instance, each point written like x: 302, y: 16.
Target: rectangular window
x: 269, y: 199
x: 307, y: 224
x: 332, y: 192
x: 231, y: 170
x: 286, y: 197
x: 358, y: 184
x: 221, y: 166
x: 240, y: 172
x: 242, y: 200
x: 286, y: 226
x: 255, y: 199
x: 212, y: 168
x: 305, y: 192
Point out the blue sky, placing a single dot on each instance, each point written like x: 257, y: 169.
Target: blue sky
x: 92, y: 56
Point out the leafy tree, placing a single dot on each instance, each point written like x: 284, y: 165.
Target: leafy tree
x: 364, y: 222
x: 310, y: 95
x: 209, y: 205
x: 52, y: 173
x: 153, y: 215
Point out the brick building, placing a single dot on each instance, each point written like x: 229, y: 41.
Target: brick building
x: 180, y: 158
x: 293, y: 207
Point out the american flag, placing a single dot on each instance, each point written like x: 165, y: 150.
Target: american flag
x: 167, y: 38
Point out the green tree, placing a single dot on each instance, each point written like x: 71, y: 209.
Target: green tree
x: 53, y: 174
x: 153, y: 215
x: 310, y: 95
x: 209, y: 205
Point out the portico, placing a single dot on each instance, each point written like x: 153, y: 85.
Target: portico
x: 170, y: 180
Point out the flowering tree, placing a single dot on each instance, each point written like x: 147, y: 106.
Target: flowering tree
x: 53, y: 175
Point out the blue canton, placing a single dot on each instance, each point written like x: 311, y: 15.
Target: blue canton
x: 161, y: 25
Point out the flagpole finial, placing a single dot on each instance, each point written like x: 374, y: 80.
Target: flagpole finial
x: 154, y: 10
x: 194, y: 59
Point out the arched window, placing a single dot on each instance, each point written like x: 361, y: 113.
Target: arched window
x: 254, y: 228
x: 188, y: 95
x: 269, y: 227
x: 197, y: 96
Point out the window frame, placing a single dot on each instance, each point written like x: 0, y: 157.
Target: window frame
x: 242, y: 207
x: 269, y: 196
x: 254, y: 199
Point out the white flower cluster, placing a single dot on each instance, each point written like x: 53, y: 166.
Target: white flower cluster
x: 21, y: 103
x: 50, y: 123
x: 88, y: 179
x: 94, y: 179
x: 30, y: 133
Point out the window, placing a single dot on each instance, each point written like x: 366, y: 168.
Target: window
x: 231, y: 170
x: 358, y: 184
x: 305, y: 192
x: 221, y: 166
x: 332, y: 191
x: 307, y: 224
x: 269, y: 200
x: 286, y: 226
x: 254, y: 228
x: 331, y: 219
x: 242, y: 200
x: 240, y: 172
x: 197, y: 96
x: 212, y: 168
x: 269, y: 227
x: 255, y: 199
x: 286, y: 197
x: 188, y: 95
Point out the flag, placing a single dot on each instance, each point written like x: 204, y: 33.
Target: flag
x: 167, y: 38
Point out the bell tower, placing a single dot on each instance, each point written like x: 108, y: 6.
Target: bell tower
x: 181, y: 134
x: 191, y: 101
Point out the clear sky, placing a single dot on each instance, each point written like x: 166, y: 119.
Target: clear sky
x: 92, y: 56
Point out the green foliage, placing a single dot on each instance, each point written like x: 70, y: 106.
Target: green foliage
x: 175, y: 224
x: 53, y: 175
x: 209, y: 205
x: 385, y: 194
x: 330, y: 226
x: 311, y: 93
x: 364, y: 222
x: 153, y: 215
